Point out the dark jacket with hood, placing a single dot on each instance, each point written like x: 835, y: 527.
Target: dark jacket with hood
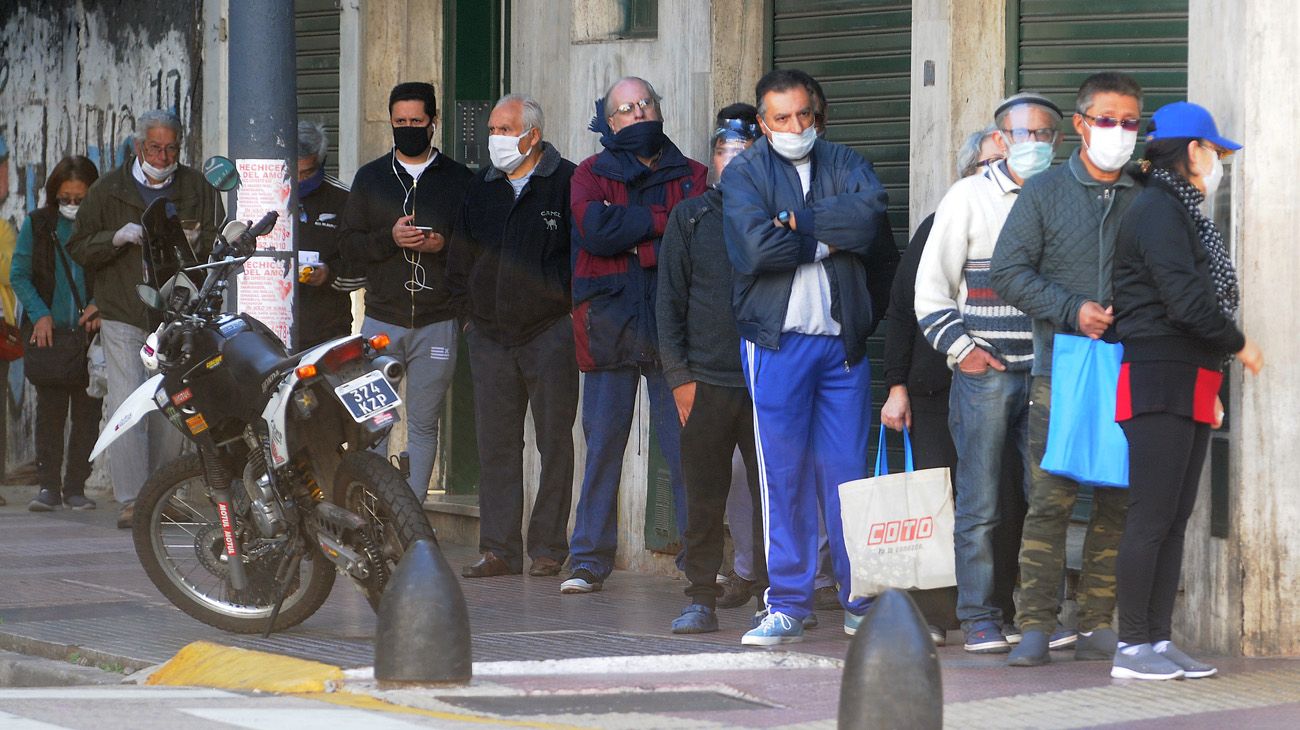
x: 617, y: 223
x: 844, y: 209
x: 508, y: 267
x: 325, y: 311
x: 382, y: 192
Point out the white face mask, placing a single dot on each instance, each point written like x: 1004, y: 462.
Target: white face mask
x: 793, y: 146
x: 1212, y: 179
x: 157, y: 173
x: 504, y: 151
x: 1111, y: 148
x: 69, y: 211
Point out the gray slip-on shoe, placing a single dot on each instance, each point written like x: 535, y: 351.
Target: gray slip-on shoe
x: 1097, y: 645
x: 1145, y: 663
x: 1032, y: 650
x: 1192, y: 668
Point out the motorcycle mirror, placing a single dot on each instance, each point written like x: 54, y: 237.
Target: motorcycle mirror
x: 220, y: 173
x: 233, y: 230
x: 150, y: 296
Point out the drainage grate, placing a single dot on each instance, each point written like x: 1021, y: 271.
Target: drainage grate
x: 605, y: 703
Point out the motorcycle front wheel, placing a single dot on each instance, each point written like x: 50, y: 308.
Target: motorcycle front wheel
x: 367, y: 485
x: 180, y: 543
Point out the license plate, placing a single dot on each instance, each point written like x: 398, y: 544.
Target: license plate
x: 367, y: 395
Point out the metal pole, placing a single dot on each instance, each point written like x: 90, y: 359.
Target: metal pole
x: 263, y: 119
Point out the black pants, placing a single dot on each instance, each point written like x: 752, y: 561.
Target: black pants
x: 721, y: 420
x: 52, y: 407
x: 542, y: 373
x: 1166, y: 455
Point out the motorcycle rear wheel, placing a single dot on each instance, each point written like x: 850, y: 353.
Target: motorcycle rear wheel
x: 179, y: 541
x: 367, y: 485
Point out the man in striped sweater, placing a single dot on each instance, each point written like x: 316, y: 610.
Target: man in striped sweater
x: 989, y: 346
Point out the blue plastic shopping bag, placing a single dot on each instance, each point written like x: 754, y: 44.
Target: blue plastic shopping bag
x: 1083, y: 441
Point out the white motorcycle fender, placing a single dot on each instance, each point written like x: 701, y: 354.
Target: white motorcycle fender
x: 276, y: 412
x: 135, y: 407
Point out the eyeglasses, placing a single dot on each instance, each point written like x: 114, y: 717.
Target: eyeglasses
x: 70, y: 201
x: 1021, y: 134
x: 157, y: 149
x: 624, y: 109
x: 1128, y: 125
x: 1221, y: 153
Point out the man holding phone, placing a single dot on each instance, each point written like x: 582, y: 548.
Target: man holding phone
x: 398, y: 217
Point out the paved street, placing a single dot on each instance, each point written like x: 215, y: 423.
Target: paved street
x: 70, y: 587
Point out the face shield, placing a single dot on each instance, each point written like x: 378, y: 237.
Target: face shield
x: 732, y: 137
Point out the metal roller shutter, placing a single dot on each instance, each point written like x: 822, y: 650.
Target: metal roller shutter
x: 316, y: 28
x: 860, y: 51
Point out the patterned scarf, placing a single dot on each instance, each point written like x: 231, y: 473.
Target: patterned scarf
x: 1221, y: 269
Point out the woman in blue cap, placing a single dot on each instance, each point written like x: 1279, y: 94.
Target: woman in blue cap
x: 1175, y: 307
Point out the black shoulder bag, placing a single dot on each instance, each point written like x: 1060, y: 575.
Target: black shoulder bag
x: 63, y: 363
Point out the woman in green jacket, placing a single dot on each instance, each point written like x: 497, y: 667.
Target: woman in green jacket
x: 43, y: 278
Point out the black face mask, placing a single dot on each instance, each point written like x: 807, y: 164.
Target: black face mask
x: 411, y: 141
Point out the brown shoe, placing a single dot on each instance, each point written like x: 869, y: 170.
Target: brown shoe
x: 488, y: 566
x: 126, y: 516
x: 3, y: 502
x: 544, y: 566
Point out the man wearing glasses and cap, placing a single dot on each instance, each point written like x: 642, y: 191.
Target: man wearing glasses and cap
x: 1053, y: 261
x: 988, y: 344
x: 700, y: 350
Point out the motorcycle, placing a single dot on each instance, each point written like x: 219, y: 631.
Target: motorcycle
x: 281, y: 494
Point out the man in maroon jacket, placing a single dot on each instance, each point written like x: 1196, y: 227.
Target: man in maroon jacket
x: 620, y: 201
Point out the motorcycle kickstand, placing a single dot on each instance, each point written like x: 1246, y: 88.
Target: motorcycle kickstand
x: 288, y: 566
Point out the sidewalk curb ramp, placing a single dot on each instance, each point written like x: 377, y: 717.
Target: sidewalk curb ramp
x: 205, y: 664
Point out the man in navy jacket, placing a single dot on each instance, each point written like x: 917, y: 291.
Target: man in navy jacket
x: 802, y: 222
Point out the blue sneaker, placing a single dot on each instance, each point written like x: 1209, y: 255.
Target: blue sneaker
x: 809, y: 622
x: 985, y: 637
x: 1062, y: 638
x: 696, y: 619
x: 776, y: 628
x: 851, y: 623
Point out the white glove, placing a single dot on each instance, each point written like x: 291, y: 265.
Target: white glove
x: 129, y: 233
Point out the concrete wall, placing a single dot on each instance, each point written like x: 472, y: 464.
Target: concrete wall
x: 73, y: 78
x: 965, y: 41
x: 1242, y: 594
x: 706, y: 55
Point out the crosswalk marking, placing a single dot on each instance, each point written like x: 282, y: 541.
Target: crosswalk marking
x: 14, y: 722
x: 300, y: 719
x: 109, y: 693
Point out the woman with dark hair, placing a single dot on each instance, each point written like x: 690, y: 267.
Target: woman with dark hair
x: 1175, y: 304
x: 54, y: 293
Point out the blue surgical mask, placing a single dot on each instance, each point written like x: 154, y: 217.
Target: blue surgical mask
x: 1027, y: 159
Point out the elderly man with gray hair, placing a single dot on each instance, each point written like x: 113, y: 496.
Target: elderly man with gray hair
x: 508, y: 275
x: 106, y: 242
x: 324, y: 307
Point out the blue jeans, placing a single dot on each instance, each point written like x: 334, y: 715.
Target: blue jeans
x: 609, y: 399
x: 984, y: 411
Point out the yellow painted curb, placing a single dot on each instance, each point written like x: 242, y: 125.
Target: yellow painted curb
x: 204, y: 664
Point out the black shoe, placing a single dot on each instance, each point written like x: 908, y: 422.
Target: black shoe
x: 79, y: 502
x: 735, y: 591
x: 46, y: 501
x: 826, y: 598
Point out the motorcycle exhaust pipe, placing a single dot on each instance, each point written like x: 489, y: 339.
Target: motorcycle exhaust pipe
x: 389, y: 367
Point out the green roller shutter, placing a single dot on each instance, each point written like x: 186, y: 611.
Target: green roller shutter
x: 316, y: 30
x: 1053, y: 45
x: 860, y: 51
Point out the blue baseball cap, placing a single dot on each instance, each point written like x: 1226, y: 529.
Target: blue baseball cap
x: 1183, y: 119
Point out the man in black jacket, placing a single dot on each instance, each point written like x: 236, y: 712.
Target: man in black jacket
x: 400, y: 212
x: 700, y: 350
x: 324, y: 307
x: 508, y: 275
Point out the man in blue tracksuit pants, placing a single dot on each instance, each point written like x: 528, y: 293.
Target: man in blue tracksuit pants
x: 804, y: 223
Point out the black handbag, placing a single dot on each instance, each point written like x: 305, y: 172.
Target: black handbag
x: 63, y: 363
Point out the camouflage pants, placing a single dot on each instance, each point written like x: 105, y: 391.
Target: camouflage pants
x: 1042, y: 547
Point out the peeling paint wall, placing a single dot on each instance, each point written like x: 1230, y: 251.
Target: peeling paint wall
x: 74, y: 76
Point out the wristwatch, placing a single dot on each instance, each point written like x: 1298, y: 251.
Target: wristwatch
x: 784, y: 218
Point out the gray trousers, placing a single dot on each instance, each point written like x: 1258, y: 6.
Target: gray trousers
x: 429, y: 355
x: 152, y: 442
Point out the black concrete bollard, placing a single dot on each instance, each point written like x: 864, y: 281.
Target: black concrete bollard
x: 891, y: 674
x: 423, y: 635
